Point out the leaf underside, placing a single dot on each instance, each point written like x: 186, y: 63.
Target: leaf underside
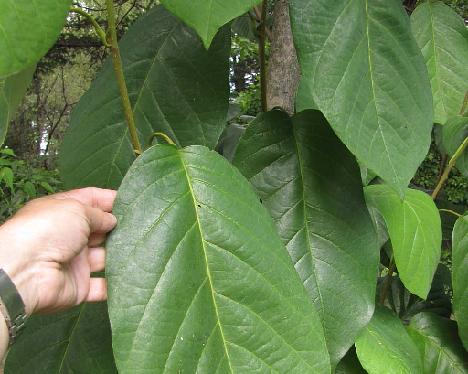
x: 460, y: 276
x: 28, y: 28
x: 12, y: 90
x: 365, y: 72
x: 175, y: 86
x: 443, y: 38
x: 437, y: 340
x: 454, y: 132
x: 207, y: 16
x: 384, y: 347
x: 75, y: 341
x: 415, y: 231
x: 199, y: 280
x: 311, y: 185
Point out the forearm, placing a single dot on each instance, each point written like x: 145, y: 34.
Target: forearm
x: 4, y: 341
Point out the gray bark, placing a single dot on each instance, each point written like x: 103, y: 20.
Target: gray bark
x: 283, y: 69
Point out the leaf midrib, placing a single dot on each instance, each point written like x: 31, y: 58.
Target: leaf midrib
x: 205, y: 254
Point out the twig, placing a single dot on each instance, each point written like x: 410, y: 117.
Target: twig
x: 117, y: 62
x: 451, y: 212
x: 388, y: 281
x: 449, y: 168
x: 99, y: 31
x: 258, y: 17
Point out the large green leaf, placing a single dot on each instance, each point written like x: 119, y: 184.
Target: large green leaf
x: 454, y: 132
x: 460, y: 276
x: 12, y: 90
x: 207, y: 16
x: 175, y: 86
x: 366, y: 74
x: 415, y: 232
x: 443, y: 38
x: 311, y: 185
x: 199, y: 280
x: 385, y: 346
x: 28, y: 28
x: 350, y: 364
x: 437, y: 340
x: 75, y: 341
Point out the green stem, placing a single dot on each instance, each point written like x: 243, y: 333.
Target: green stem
x: 262, y: 54
x: 162, y: 135
x: 99, y: 31
x: 449, y: 168
x: 117, y: 62
x: 388, y: 281
x: 451, y: 212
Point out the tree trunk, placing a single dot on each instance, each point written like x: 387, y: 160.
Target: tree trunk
x: 283, y: 69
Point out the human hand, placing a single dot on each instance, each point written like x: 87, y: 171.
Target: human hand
x: 50, y: 247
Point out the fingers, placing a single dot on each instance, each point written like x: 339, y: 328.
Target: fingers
x: 97, y: 259
x: 96, y: 240
x: 100, y: 222
x: 97, y: 290
x: 91, y: 196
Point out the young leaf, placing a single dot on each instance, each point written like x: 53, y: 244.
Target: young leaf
x: 75, y: 341
x: 454, y: 132
x: 460, y: 276
x: 28, y: 29
x: 443, y: 38
x: 440, y: 347
x: 12, y: 90
x: 385, y: 346
x: 415, y: 232
x: 199, y: 280
x: 368, y: 77
x: 175, y: 86
x: 311, y: 185
x: 207, y: 16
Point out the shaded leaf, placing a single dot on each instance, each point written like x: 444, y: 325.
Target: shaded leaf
x: 439, y: 344
x: 366, y: 74
x: 199, y: 280
x: 443, y: 38
x: 385, y: 347
x: 415, y: 232
x: 75, y: 341
x: 207, y: 16
x: 175, y: 86
x: 454, y: 132
x: 311, y: 185
x: 12, y: 90
x: 28, y: 29
x: 350, y: 364
x: 460, y: 276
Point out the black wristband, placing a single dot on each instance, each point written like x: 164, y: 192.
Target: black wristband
x: 11, y: 306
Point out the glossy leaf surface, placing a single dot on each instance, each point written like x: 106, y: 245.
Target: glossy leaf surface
x: 384, y: 347
x: 443, y: 38
x: 310, y: 183
x: 12, y: 90
x: 454, y: 132
x: 175, y: 86
x: 199, y: 280
x: 415, y: 232
x: 28, y: 28
x: 460, y: 276
x: 207, y: 16
x: 75, y: 341
x: 366, y: 74
x: 439, y: 345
